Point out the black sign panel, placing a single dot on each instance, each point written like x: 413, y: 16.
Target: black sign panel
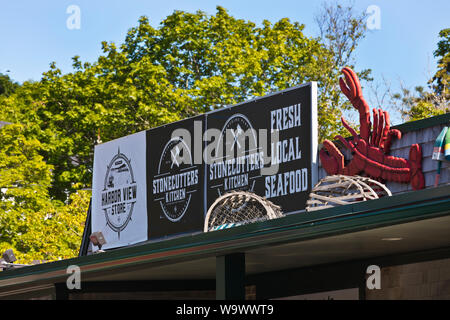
x: 248, y: 155
x: 175, y: 181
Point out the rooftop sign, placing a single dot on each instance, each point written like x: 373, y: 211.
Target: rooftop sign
x: 161, y: 182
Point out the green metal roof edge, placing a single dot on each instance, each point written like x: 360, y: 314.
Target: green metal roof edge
x: 423, y: 123
x: 297, y: 227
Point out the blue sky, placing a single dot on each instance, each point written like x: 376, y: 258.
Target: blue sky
x: 34, y: 33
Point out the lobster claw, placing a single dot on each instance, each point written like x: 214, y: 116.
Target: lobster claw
x: 392, y: 133
x: 332, y: 159
x: 351, y: 87
x: 348, y: 144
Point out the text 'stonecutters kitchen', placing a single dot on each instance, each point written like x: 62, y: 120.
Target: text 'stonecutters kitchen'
x: 174, y: 186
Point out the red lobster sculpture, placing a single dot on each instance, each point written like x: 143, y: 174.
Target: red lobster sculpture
x: 370, y: 148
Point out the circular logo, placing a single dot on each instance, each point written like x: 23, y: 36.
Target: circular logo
x: 234, y: 132
x: 239, y: 159
x: 177, y: 179
x: 119, y: 193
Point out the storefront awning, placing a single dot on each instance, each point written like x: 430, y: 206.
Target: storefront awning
x: 404, y: 223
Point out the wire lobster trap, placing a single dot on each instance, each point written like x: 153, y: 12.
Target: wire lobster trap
x: 341, y: 190
x: 238, y: 208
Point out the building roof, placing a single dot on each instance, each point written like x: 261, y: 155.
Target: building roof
x: 355, y: 231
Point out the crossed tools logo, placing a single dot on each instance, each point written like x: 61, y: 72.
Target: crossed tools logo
x: 176, y: 180
x: 119, y: 193
x: 238, y: 159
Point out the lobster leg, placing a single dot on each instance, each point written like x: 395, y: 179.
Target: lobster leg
x: 380, y: 130
x: 352, y: 169
x: 375, y: 127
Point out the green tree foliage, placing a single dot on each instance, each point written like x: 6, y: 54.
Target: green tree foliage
x: 33, y: 225
x: 442, y: 77
x: 191, y: 64
x: 7, y: 86
x: 423, y: 103
x: 341, y: 30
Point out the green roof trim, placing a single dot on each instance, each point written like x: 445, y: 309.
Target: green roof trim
x: 402, y: 208
x: 423, y: 123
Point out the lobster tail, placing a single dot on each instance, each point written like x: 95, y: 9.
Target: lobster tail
x: 415, y: 160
